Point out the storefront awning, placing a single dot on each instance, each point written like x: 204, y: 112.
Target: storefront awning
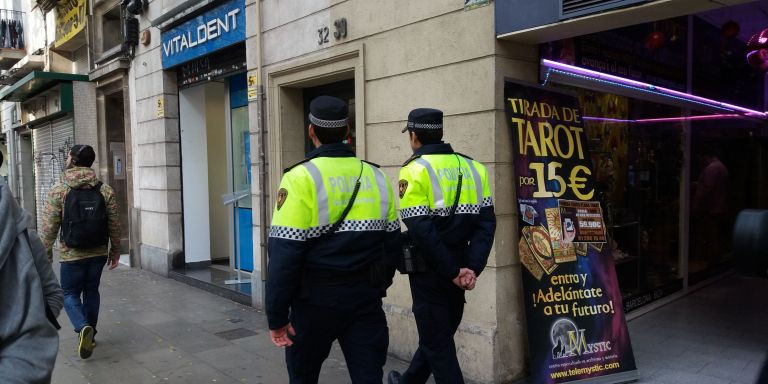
x: 36, y: 82
x: 557, y: 72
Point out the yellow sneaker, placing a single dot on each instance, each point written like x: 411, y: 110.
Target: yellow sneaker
x: 85, y: 348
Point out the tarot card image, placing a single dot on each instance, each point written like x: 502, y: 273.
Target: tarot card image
x: 581, y: 249
x: 563, y: 252
x: 538, y: 240
x: 553, y: 224
x: 528, y: 213
x: 566, y: 253
x: 528, y: 260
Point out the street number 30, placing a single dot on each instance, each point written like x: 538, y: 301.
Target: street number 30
x: 339, y: 32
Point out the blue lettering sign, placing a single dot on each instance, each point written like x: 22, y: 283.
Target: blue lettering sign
x: 218, y: 28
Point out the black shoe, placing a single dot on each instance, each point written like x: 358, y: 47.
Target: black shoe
x: 394, y: 377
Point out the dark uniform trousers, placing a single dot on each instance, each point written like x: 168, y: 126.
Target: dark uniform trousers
x: 349, y: 313
x: 438, y: 306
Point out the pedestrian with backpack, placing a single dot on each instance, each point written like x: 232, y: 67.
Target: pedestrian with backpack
x: 82, y: 212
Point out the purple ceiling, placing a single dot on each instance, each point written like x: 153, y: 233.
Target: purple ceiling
x: 752, y: 17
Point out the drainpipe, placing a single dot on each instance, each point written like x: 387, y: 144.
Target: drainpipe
x: 261, y: 124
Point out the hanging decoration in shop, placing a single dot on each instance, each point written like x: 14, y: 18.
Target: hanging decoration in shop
x: 70, y: 20
x: 757, y: 50
x: 576, y: 325
x: 730, y: 29
x: 216, y: 29
x: 654, y: 40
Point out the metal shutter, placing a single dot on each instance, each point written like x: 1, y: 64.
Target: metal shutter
x: 573, y: 8
x: 51, y: 144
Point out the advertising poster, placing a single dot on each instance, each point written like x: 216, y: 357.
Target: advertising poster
x: 577, y: 331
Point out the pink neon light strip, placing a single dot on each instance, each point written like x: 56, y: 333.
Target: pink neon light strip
x: 665, y: 119
x: 638, y: 84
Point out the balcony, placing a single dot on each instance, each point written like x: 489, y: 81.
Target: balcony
x: 11, y: 38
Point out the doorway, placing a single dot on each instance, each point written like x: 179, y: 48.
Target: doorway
x: 115, y: 157
x: 216, y: 180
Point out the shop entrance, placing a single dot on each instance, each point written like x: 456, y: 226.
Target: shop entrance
x: 216, y: 180
x: 113, y: 154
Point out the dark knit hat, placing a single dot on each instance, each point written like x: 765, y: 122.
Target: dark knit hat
x: 82, y: 155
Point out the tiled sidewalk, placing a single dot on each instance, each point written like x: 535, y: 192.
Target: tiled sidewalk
x: 718, y: 335
x: 157, y: 330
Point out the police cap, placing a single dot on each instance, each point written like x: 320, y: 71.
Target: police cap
x: 424, y: 119
x: 328, y: 112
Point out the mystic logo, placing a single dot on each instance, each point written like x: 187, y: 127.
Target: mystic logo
x: 569, y: 341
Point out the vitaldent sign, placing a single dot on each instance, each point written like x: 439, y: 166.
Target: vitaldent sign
x: 218, y: 28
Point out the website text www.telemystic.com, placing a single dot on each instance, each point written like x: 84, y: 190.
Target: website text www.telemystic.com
x: 585, y: 371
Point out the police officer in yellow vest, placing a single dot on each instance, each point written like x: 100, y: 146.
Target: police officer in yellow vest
x: 333, y: 246
x: 454, y: 237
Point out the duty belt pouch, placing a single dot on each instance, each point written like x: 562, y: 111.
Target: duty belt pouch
x: 413, y: 260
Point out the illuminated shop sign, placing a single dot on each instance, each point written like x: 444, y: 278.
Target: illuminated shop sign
x: 218, y: 28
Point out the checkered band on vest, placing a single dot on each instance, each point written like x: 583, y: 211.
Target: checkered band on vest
x: 318, y: 231
x: 347, y: 226
x: 461, y: 209
x: 414, y: 211
x: 327, y: 123
x: 363, y: 225
x: 288, y: 233
x: 487, y: 201
x: 413, y: 125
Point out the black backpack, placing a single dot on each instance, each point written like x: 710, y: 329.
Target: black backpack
x: 85, y: 224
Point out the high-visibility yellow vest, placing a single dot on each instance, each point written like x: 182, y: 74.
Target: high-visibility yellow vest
x: 428, y: 186
x: 313, y: 195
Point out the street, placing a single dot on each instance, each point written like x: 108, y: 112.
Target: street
x: 157, y: 330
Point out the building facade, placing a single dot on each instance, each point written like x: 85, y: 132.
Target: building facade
x: 220, y: 90
x: 66, y: 88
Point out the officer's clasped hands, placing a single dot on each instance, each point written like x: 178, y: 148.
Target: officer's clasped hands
x: 466, y: 279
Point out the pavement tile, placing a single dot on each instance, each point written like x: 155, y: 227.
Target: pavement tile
x: 186, y: 336
x: 228, y: 357
x: 679, y: 377
x: 164, y: 359
x: 196, y: 374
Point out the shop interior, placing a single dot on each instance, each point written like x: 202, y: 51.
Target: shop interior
x: 653, y: 149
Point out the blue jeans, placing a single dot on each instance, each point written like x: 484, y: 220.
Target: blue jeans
x: 82, y: 277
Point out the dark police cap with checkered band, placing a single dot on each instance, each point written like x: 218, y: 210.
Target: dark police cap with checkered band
x: 328, y: 112
x: 424, y: 119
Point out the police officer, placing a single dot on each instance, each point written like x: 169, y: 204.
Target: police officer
x: 327, y: 275
x: 454, y: 240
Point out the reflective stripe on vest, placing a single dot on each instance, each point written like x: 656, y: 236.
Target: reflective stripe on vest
x: 437, y: 193
x: 322, y: 194
x: 478, y: 181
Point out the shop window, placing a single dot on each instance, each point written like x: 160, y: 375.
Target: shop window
x: 637, y: 168
x: 112, y: 35
x: 726, y: 177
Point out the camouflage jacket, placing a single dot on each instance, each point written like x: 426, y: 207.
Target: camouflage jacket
x: 52, y: 214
